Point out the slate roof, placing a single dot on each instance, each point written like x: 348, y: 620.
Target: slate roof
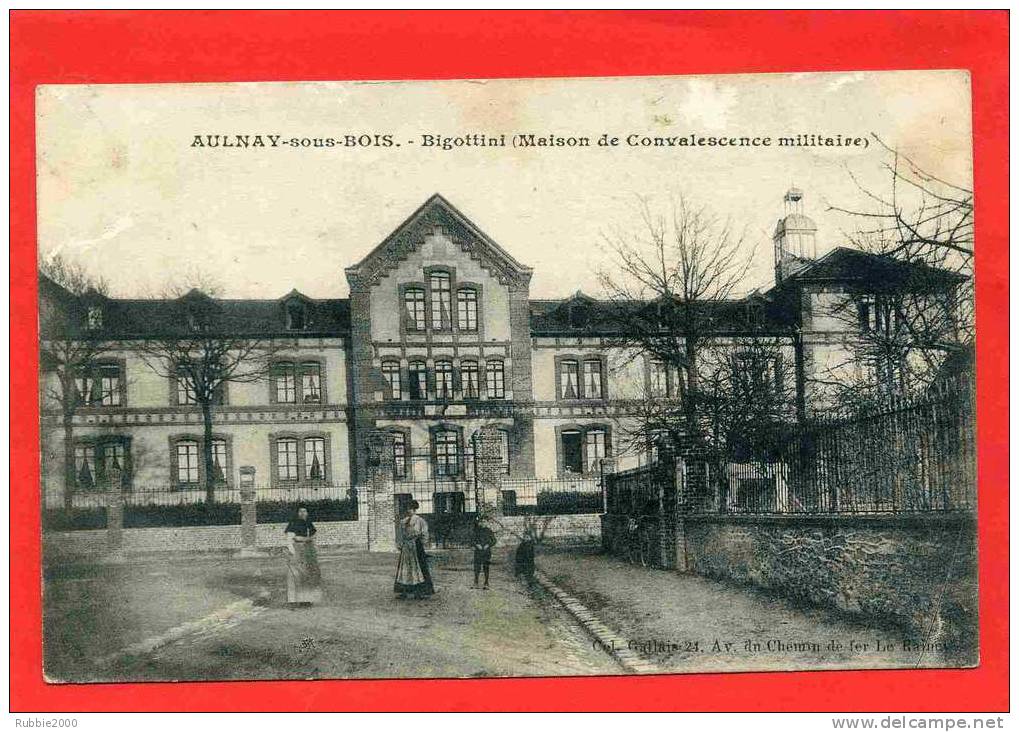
x: 845, y: 264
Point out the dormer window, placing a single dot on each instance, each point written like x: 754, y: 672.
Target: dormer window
x: 95, y: 318
x: 296, y: 315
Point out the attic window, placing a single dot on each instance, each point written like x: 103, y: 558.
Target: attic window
x: 95, y: 318
x: 580, y: 316
x: 296, y: 313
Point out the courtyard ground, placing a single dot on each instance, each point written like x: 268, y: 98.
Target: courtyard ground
x: 217, y: 617
x: 687, y: 623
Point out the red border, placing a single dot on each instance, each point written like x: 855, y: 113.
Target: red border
x: 178, y: 46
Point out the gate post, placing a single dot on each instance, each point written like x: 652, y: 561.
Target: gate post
x: 488, y: 468
x: 682, y: 506
x: 115, y: 516
x: 381, y: 511
x: 249, y: 516
x: 608, y: 522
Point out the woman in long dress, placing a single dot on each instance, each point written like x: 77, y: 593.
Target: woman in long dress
x: 412, y: 575
x: 304, y: 579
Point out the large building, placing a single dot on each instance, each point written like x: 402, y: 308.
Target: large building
x: 439, y: 336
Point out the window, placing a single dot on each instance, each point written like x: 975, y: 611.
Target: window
x: 284, y: 383
x: 495, y: 383
x: 85, y: 466
x: 467, y: 309
x: 286, y: 458
x: 572, y: 451
x: 187, y: 463
x: 568, y: 380
x: 95, y: 318
x: 311, y: 382
x: 439, y: 283
x: 443, y: 379
x: 95, y: 463
x: 399, y: 455
x: 99, y: 386
x: 469, y: 379
x: 414, y: 303
x: 864, y: 308
x: 219, y: 461
x: 504, y: 456
x: 592, y: 379
x: 595, y: 440
x: 658, y: 378
x: 185, y: 392
x: 314, y: 458
x: 582, y: 448
x: 295, y: 316
x: 446, y: 445
x: 391, y: 374
x: 417, y: 383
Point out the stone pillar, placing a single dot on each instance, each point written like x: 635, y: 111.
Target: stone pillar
x: 249, y: 515
x: 488, y: 469
x: 607, y: 467
x: 378, y: 506
x: 682, y: 508
x: 115, y: 515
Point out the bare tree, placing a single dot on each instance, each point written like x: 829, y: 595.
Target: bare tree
x: 203, y: 346
x: 669, y: 274
x: 71, y: 348
x: 907, y: 323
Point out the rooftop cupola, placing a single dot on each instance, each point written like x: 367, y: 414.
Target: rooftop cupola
x: 795, y: 237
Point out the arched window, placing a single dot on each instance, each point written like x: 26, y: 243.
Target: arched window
x: 569, y: 379
x: 593, y: 379
x: 495, y: 380
x: 399, y: 455
x: 311, y: 382
x: 286, y: 459
x: 446, y: 449
x: 188, y: 460
x: 467, y: 309
x: 443, y: 379
x: 440, y: 285
x: 469, y: 379
x: 314, y: 458
x: 414, y: 304
x: 284, y: 381
x: 391, y: 374
x: 417, y: 381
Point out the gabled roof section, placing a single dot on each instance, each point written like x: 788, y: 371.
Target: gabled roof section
x: 437, y: 213
x: 843, y: 264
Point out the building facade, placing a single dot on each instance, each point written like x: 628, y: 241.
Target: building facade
x: 438, y: 337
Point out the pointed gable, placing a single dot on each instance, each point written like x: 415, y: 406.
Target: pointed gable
x: 437, y: 214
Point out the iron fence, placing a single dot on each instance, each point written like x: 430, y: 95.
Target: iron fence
x: 551, y: 496
x: 170, y: 507
x: 917, y: 456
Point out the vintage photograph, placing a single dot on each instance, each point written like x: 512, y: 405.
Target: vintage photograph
x: 516, y: 377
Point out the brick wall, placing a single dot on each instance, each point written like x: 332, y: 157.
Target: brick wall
x: 918, y: 572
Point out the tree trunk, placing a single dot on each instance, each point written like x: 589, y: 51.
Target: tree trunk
x: 209, y: 473
x: 693, y: 388
x: 70, y: 477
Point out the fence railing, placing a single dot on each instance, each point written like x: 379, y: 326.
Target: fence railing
x: 551, y: 496
x: 163, y: 507
x: 917, y: 457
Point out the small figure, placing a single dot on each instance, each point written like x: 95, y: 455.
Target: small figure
x: 525, y: 559
x: 304, y: 578
x: 412, y: 575
x: 484, y: 540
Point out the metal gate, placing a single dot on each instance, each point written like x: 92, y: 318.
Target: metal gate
x: 447, y: 502
x: 640, y: 514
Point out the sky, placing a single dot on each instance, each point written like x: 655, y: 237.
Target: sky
x: 124, y: 191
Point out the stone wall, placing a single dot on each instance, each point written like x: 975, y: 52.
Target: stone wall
x: 918, y: 572
x: 346, y: 535
x: 352, y: 535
